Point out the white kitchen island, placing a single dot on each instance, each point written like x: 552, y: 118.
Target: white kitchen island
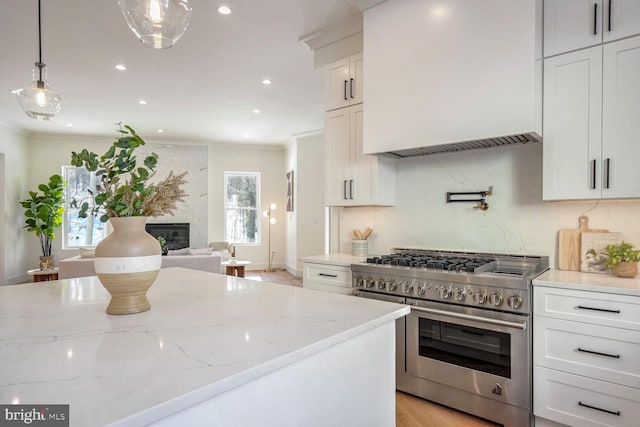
x: 213, y: 350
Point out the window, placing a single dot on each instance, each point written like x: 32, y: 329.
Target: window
x: 80, y: 232
x: 241, y: 201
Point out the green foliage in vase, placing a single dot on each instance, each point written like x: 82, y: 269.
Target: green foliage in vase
x: 624, y: 252
x: 125, y: 187
x: 44, y: 211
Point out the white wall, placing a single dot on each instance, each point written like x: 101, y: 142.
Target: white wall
x: 13, y: 238
x: 517, y: 221
x: 270, y: 162
x: 306, y: 225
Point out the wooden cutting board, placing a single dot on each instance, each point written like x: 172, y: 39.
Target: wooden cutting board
x: 569, y: 244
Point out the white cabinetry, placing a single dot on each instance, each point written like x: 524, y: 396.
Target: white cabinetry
x: 576, y: 24
x: 351, y: 177
x: 591, y: 100
x: 585, y: 351
x: 327, y: 277
x: 343, y: 83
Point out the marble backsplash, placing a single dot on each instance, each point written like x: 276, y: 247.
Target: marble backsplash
x: 517, y: 221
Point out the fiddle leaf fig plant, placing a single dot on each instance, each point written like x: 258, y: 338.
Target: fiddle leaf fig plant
x: 624, y: 252
x: 43, y: 212
x: 125, y: 187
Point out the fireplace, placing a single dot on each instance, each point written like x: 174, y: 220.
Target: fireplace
x: 175, y: 234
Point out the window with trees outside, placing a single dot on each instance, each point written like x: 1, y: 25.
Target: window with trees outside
x: 80, y: 232
x: 242, y: 198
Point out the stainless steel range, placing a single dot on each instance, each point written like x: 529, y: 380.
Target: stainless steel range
x: 467, y: 341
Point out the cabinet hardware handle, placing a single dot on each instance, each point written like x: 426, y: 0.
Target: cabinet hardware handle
x: 351, y: 189
x: 351, y: 89
x: 327, y: 275
x: 344, y: 190
x: 595, y: 19
x: 606, y: 175
x: 609, y: 25
x: 599, y: 409
x: 593, y: 174
x: 345, y: 90
x: 598, y: 309
x: 615, y: 356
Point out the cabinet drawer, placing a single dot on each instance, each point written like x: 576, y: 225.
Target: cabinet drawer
x: 327, y: 274
x: 584, y: 402
x: 600, y: 352
x: 620, y: 311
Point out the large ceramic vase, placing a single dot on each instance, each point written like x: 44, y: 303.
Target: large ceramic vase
x: 127, y: 263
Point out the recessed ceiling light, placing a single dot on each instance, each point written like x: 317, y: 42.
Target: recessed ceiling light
x: 224, y: 10
x: 142, y: 102
x: 256, y: 111
x: 266, y: 82
x: 69, y: 125
x: 160, y: 130
x: 121, y: 67
x: 246, y: 134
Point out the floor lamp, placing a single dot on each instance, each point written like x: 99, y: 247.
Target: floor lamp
x: 268, y: 214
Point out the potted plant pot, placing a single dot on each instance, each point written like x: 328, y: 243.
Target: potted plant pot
x: 626, y: 269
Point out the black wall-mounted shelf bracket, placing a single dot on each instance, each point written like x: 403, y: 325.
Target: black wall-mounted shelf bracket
x: 457, y: 197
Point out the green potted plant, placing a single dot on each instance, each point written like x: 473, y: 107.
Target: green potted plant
x: 43, y: 213
x: 623, y: 259
x: 128, y: 260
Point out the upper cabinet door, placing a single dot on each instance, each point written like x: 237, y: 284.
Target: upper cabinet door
x: 343, y: 83
x: 621, y: 19
x: 621, y: 119
x: 572, y: 125
x: 572, y: 24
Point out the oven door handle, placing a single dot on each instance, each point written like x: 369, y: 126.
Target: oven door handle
x: 506, y: 323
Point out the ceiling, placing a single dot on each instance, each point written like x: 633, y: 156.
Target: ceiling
x: 204, y: 88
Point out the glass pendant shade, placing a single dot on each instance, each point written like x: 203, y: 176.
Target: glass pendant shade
x: 38, y: 100
x: 157, y: 23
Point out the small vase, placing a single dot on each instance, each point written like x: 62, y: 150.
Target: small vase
x: 626, y: 269
x: 127, y: 263
x: 46, y: 262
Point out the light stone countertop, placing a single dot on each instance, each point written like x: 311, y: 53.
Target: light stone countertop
x: 341, y: 259
x: 592, y: 282
x: 205, y: 334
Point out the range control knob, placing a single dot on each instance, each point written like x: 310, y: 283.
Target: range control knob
x: 496, y: 299
x: 368, y: 282
x: 444, y: 292
x: 515, y: 302
x: 357, y: 281
x: 480, y: 297
x: 459, y: 294
x: 392, y: 285
x: 420, y: 288
x: 407, y: 287
x: 380, y: 284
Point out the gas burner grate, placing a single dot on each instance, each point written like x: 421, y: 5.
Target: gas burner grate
x: 447, y: 263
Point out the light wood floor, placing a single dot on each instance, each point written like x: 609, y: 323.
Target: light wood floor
x: 411, y: 411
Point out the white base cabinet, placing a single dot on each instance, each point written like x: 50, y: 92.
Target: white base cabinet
x: 585, y: 353
x: 326, y: 277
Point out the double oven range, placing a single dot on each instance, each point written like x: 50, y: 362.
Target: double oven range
x: 467, y: 342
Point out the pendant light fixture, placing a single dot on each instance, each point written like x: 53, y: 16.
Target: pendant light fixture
x: 38, y: 100
x: 157, y: 23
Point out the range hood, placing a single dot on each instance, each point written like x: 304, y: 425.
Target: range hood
x: 499, y: 141
x: 442, y: 77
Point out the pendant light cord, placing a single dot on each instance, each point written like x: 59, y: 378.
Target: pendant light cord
x: 40, y: 65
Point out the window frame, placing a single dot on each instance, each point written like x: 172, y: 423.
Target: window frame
x: 258, y: 239
x: 91, y: 219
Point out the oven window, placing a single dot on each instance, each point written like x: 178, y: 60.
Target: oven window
x: 474, y: 348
